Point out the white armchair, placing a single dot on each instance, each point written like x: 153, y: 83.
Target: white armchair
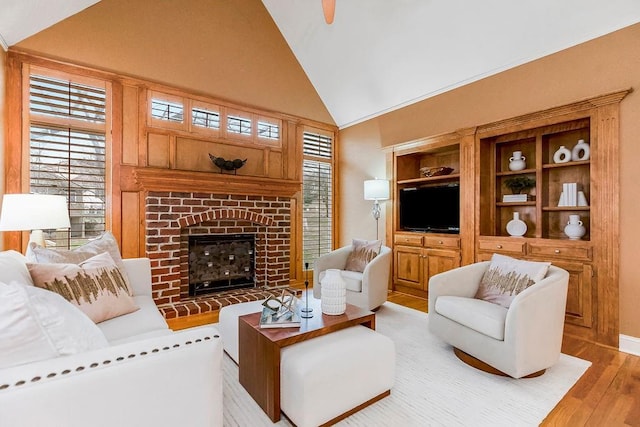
x: 367, y: 289
x: 521, y: 340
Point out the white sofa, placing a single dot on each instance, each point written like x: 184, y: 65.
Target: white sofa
x: 147, y: 376
x: 368, y: 289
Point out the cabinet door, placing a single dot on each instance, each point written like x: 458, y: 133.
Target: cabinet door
x: 437, y: 261
x: 579, y: 296
x: 407, y: 266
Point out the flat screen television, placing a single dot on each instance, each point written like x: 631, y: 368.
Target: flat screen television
x: 434, y: 208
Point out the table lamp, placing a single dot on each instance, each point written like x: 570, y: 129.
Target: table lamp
x: 35, y: 212
x: 376, y: 190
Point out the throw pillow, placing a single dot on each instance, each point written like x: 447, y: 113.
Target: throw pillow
x: 363, y: 251
x: 95, y: 286
x: 506, y: 277
x: 36, y: 324
x: 13, y: 267
x: 105, y: 243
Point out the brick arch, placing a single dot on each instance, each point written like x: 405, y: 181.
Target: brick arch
x: 218, y: 214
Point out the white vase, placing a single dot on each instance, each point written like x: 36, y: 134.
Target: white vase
x: 563, y: 155
x: 516, y: 227
x: 581, y: 151
x: 333, y: 293
x: 517, y: 162
x: 574, y: 228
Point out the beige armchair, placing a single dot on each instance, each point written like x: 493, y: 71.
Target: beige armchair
x: 367, y: 289
x: 522, y: 340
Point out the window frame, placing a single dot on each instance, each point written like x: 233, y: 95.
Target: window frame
x: 29, y: 119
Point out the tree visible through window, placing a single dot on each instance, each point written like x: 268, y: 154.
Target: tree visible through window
x: 67, y: 149
x: 317, y: 203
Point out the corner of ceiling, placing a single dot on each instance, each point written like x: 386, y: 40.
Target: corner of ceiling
x: 3, y: 43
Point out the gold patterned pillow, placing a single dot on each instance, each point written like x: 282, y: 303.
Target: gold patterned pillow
x: 362, y: 253
x: 95, y: 285
x: 506, y: 277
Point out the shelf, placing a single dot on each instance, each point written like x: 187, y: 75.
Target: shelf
x: 450, y: 177
x: 521, y: 172
x: 566, y: 208
x: 564, y: 165
x: 508, y: 204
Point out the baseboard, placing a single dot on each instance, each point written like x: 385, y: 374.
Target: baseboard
x: 629, y: 344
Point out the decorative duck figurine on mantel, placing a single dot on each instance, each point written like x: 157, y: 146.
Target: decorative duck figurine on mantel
x: 227, y: 165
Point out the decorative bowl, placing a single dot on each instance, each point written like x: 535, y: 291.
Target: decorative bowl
x: 429, y: 172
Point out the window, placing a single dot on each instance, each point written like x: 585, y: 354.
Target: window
x: 205, y: 119
x: 317, y: 194
x: 240, y: 125
x: 67, y: 152
x: 167, y: 110
x: 268, y: 130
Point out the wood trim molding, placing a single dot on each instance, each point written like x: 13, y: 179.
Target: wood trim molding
x: 153, y: 179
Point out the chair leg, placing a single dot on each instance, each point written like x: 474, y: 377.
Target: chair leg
x: 479, y: 364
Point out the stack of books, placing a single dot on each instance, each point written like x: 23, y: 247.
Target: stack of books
x: 506, y: 198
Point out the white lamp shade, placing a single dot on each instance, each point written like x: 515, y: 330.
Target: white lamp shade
x: 33, y: 212
x: 376, y: 189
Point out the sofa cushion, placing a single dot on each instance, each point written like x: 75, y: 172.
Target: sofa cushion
x: 105, y: 243
x: 362, y: 252
x: 146, y: 319
x: 13, y: 268
x: 352, y: 279
x: 36, y: 324
x: 95, y: 286
x: 481, y: 316
x: 506, y: 277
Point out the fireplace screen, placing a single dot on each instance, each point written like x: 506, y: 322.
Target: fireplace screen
x: 221, y: 262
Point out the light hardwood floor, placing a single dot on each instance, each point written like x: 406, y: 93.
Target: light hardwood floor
x: 608, y: 394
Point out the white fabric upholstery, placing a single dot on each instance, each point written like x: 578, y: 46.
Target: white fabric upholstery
x: 148, y: 375
x: 327, y: 376
x: 368, y: 289
x: 533, y: 324
x: 228, y: 324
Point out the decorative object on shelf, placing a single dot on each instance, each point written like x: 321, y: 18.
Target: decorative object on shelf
x: 582, y: 199
x: 563, y: 155
x: 519, y: 183
x: 581, y: 151
x: 570, y: 195
x: 333, y: 293
x: 517, y: 162
x: 227, y: 165
x: 376, y: 190
x: 516, y: 227
x: 429, y: 172
x: 515, y: 198
x: 574, y: 228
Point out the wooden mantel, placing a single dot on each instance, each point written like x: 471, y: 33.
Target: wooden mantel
x: 155, y: 179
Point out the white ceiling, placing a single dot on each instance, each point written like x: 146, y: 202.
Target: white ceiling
x: 379, y: 55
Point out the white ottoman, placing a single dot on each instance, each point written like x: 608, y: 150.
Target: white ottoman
x: 329, y: 376
x: 228, y: 324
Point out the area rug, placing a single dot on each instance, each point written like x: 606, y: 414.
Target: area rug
x: 433, y: 387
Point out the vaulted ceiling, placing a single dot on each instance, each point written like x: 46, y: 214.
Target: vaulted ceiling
x: 380, y: 55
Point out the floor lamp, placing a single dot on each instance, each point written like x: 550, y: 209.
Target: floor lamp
x: 376, y: 190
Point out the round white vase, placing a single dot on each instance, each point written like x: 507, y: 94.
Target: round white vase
x: 516, y: 227
x: 517, y: 162
x: 563, y: 155
x: 574, y: 228
x: 581, y: 151
x: 333, y: 293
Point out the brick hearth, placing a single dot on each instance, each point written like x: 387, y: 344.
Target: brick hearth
x: 173, y: 216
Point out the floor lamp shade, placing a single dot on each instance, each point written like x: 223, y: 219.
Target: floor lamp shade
x: 35, y: 212
x: 376, y: 189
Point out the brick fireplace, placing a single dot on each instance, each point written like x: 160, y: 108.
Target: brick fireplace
x: 171, y: 217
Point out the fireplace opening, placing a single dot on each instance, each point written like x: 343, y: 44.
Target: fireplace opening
x: 221, y: 262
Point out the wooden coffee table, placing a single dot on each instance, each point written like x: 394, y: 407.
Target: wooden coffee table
x: 259, y: 349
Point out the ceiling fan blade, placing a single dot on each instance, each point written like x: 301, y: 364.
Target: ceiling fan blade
x: 329, y: 10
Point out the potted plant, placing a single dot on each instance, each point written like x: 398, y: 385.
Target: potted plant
x: 517, y: 184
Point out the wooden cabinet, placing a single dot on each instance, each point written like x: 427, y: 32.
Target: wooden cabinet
x: 480, y: 159
x: 418, y: 256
